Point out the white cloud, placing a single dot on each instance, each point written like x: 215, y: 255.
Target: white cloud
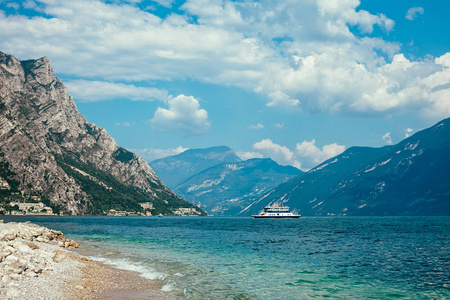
x: 91, y: 91
x: 387, y: 138
x: 248, y: 155
x: 305, y: 156
x: 279, y: 98
x: 278, y: 125
x: 184, y: 113
x: 125, y: 124
x: 12, y: 5
x: 413, y: 12
x: 150, y: 154
x: 310, y: 155
x: 165, y: 3
x: 256, y: 126
x: 278, y: 153
x: 298, y: 53
x: 408, y: 132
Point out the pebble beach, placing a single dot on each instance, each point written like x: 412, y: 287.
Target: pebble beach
x: 40, y: 263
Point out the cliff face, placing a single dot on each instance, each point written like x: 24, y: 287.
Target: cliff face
x: 54, y: 152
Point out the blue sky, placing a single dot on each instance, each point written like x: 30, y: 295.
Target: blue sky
x: 297, y: 81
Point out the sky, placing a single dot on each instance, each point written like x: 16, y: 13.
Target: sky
x: 297, y: 81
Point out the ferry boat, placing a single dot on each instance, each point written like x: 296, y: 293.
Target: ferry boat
x: 276, y: 211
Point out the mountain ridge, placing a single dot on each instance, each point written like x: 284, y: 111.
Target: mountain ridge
x: 175, y: 169
x: 51, y: 150
x: 408, y: 178
x: 218, y: 181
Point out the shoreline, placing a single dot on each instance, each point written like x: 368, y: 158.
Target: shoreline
x: 37, y: 261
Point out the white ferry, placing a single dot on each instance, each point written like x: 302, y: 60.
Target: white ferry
x: 276, y: 211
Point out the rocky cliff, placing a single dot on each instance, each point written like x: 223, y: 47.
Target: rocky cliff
x: 50, y: 149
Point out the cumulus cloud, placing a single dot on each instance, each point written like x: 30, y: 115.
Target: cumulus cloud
x: 311, y: 155
x: 248, y: 155
x: 184, y: 113
x: 413, y: 12
x: 91, y: 91
x: 256, y: 126
x: 387, y: 138
x: 298, y: 54
x: 279, y: 98
x: 305, y: 156
x: 278, y: 125
x: 278, y: 153
x: 150, y: 154
x: 408, y: 132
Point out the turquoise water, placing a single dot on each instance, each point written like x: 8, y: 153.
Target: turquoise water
x: 244, y: 258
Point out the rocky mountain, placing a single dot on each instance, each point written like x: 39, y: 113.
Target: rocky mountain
x: 227, y: 188
x: 410, y: 178
x: 173, y: 170
x: 217, y: 180
x: 47, y: 148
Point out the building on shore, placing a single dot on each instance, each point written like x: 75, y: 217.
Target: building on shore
x: 31, y: 208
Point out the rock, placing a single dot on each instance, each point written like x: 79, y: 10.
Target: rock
x: 8, y: 249
x: 37, y: 269
x: 59, y: 256
x: 21, y: 258
x: 30, y: 274
x: 42, y: 239
x: 26, y: 235
x: 73, y: 244
x: 85, y: 258
x: 11, y: 258
x: 41, y: 129
x: 15, y: 276
x: 6, y: 279
x: 10, y: 235
x: 60, y: 237
x: 12, y: 293
x: 61, y: 243
x: 32, y: 245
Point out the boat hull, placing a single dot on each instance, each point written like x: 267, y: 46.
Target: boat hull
x: 275, y: 217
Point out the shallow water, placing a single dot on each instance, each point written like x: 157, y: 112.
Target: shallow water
x: 244, y: 258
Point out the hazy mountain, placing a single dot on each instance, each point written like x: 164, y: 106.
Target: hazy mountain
x: 173, y: 170
x: 48, y: 148
x: 410, y: 178
x: 227, y: 188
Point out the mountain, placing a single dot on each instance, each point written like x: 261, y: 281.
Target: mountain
x: 48, y: 149
x: 173, y: 170
x: 226, y: 189
x: 410, y: 178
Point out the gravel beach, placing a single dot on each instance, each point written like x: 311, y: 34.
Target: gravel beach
x: 38, y: 263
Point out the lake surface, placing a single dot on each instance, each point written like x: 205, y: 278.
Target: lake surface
x: 244, y: 258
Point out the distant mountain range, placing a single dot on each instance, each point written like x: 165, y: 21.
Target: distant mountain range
x: 173, y: 170
x: 48, y: 149
x: 410, y: 178
x: 216, y: 179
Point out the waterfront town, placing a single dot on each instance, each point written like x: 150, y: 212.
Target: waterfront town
x: 17, y: 203
x: 14, y: 202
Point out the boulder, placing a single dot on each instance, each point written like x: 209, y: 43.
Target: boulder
x: 59, y: 256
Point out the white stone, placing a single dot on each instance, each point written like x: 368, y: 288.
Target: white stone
x: 6, y: 279
x: 11, y: 258
x: 30, y: 274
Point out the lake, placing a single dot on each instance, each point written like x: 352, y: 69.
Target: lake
x: 244, y: 258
